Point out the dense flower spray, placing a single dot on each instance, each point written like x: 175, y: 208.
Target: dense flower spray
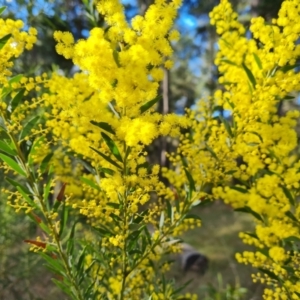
x: 256, y: 148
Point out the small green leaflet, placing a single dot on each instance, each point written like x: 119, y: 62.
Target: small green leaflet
x: 13, y: 164
x: 112, y: 146
x: 15, y: 79
x: 90, y: 183
x: 45, y: 162
x: 227, y: 126
x: 6, y: 148
x: 149, y: 104
x: 250, y: 75
x: 2, y: 9
x: 257, y: 60
x: 116, y: 58
x: 4, y: 40
x: 105, y: 126
x: 107, y: 158
x: 16, y: 100
x: 28, y: 127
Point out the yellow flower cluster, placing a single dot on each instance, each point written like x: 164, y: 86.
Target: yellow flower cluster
x: 248, y: 160
x: 14, y: 47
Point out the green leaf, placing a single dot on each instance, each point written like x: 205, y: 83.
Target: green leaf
x: 288, y: 195
x: 17, y: 184
x: 289, y: 67
x: 250, y: 75
x: 64, y: 218
x: 28, y: 127
x: 6, y: 148
x: 269, y: 273
x: 192, y: 216
x: 292, y: 239
x: 258, y: 135
x: 45, y: 162
x: 16, y: 100
x: 227, y: 126
x: 213, y: 154
x: 149, y: 104
x: 113, y: 205
x: 112, y: 146
x: 107, y: 158
x: 248, y: 210
x: 116, y: 58
x: 291, y: 216
x: 90, y: 183
x: 70, y: 243
x: 239, y: 189
x: 4, y: 40
x: 15, y: 79
x: 107, y: 171
x: 227, y: 61
x: 13, y: 164
x: 2, y: 9
x: 105, y: 126
x: 190, y: 179
x: 252, y: 235
x: 162, y: 220
x: 26, y: 197
x: 33, y: 151
x: 257, y: 60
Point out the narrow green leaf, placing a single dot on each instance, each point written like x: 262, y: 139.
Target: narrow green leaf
x: 105, y: 126
x: 27, y: 198
x: 28, y: 127
x: 107, y: 171
x: 107, y: 158
x: 289, y: 67
x: 288, y: 195
x: 248, y: 210
x: 113, y: 205
x: 4, y: 40
x: 227, y: 126
x: 250, y: 75
x: 292, y: 217
x: 162, y: 220
x: 16, y: 100
x: 269, y: 273
x: 252, y: 235
x: 45, y: 162
x: 239, y: 189
x: 192, y: 216
x: 6, y: 148
x: 13, y: 164
x: 112, y: 146
x: 70, y: 243
x: 90, y: 183
x: 116, y: 58
x: 64, y: 219
x: 190, y: 179
x: 149, y: 104
x: 227, y: 61
x: 17, y: 184
x: 213, y: 154
x: 33, y: 151
x: 2, y: 9
x: 257, y: 134
x: 15, y: 79
x: 258, y: 61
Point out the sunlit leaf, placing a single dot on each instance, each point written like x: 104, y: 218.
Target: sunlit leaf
x: 13, y: 164
x: 105, y: 126
x: 112, y: 146
x: 4, y: 40
x: 149, y: 104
